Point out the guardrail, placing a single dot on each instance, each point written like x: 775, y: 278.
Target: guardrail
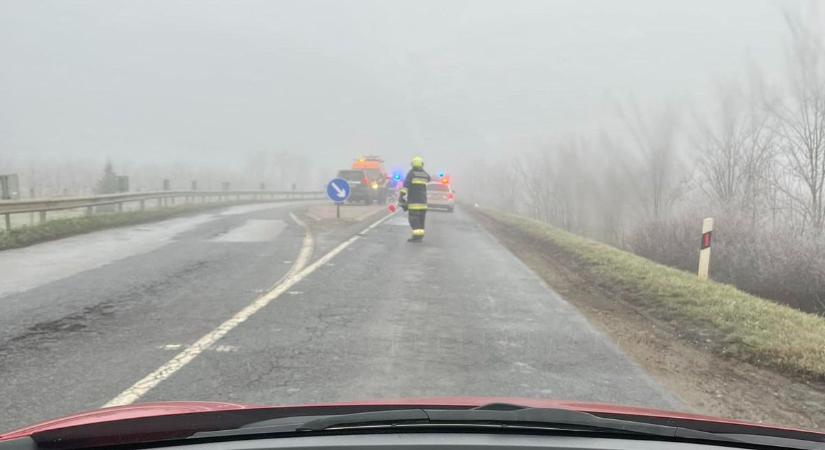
x: 162, y: 198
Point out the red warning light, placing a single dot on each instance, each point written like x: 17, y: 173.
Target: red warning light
x: 392, y: 208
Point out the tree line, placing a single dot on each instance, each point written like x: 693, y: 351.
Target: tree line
x: 754, y: 160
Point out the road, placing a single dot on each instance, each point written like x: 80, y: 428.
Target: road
x: 85, y: 320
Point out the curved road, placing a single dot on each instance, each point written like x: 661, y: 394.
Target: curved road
x: 85, y: 319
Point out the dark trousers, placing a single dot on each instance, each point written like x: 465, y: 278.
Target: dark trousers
x: 417, y: 219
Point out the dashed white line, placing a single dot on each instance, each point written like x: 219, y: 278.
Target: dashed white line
x: 295, y: 275
x: 224, y: 348
x: 170, y: 347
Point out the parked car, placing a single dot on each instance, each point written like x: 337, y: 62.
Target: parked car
x: 440, y: 196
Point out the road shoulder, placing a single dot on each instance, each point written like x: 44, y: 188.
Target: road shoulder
x: 681, y: 363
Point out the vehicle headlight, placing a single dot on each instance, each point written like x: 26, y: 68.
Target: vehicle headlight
x: 375, y: 185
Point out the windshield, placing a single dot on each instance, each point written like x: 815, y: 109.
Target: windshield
x: 374, y: 175
x: 352, y: 175
x: 626, y: 204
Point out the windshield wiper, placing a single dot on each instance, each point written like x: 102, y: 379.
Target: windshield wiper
x: 503, y: 419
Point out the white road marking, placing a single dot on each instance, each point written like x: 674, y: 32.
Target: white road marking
x: 295, y: 275
x: 29, y: 267
x: 306, y: 248
x: 224, y: 348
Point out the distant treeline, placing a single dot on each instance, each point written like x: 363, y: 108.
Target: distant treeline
x: 72, y: 176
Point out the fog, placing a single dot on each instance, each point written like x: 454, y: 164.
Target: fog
x: 624, y: 121
x: 210, y: 84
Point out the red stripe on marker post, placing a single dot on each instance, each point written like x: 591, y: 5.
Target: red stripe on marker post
x: 705, y: 240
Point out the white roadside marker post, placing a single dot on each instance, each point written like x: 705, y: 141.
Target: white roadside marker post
x: 704, y: 249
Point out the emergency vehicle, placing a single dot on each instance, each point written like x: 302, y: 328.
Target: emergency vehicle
x: 375, y: 186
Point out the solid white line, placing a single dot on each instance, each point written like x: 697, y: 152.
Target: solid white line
x: 306, y: 248
x: 147, y: 383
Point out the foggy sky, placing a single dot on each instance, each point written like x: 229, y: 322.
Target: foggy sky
x: 450, y: 80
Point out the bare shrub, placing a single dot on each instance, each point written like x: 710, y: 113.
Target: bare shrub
x: 787, y: 268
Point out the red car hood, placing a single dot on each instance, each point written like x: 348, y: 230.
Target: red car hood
x: 144, y: 410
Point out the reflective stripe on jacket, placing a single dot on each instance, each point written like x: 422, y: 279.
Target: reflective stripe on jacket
x: 416, y: 185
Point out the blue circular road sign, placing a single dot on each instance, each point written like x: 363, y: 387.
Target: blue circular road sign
x: 338, y: 190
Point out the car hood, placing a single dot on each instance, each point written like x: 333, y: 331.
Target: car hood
x: 160, y: 409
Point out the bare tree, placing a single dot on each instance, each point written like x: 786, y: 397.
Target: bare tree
x: 659, y: 175
x: 495, y: 185
x: 530, y: 171
x: 614, y: 188
x: 108, y: 183
x: 737, y: 147
x: 560, y: 185
x: 801, y: 117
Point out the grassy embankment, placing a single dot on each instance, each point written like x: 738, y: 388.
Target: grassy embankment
x: 743, y: 326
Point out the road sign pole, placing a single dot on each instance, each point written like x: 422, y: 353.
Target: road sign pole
x: 338, y: 191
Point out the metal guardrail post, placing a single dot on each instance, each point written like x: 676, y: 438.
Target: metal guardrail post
x: 8, y: 221
x: 42, y: 217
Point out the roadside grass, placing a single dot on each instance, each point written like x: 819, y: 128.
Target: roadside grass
x: 61, y: 228
x: 734, y: 323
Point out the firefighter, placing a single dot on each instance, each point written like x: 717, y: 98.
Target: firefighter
x: 415, y: 197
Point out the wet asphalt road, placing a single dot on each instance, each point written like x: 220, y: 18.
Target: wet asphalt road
x: 457, y: 315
